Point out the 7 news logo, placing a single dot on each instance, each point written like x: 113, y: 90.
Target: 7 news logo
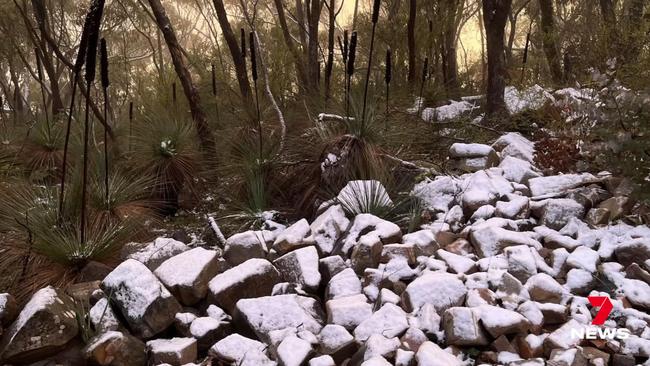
x: 595, y: 331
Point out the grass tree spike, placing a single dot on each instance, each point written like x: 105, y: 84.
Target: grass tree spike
x: 103, y: 64
x: 97, y: 11
x: 214, y: 81
x: 253, y: 55
x: 243, y: 42
x: 389, y: 66
x: 375, y: 11
x: 352, y: 53
x: 346, y: 46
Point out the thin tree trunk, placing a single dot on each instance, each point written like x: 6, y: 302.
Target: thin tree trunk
x: 329, y: 66
x: 495, y: 15
x: 450, y: 40
x: 313, y: 65
x: 633, y: 29
x: 410, y: 30
x: 191, y: 93
x: 609, y: 21
x: 288, y: 40
x: 549, y: 40
x: 237, y: 57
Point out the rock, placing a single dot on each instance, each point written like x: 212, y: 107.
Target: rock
x: 294, y: 237
x: 241, y: 247
x: 389, y: 321
x: 242, y: 351
x: 438, y: 194
x: 553, y: 313
x: 158, y: 251
x: 427, y: 320
x: 115, y: 349
x: 366, y: 253
x: 473, y: 157
x: 483, y: 188
x: 462, y: 327
x: 143, y: 301
x: 557, y: 212
x: 430, y: 354
x: 8, y: 310
x: 337, y: 342
x: 182, y: 323
x: 567, y: 357
x: 498, y: 321
x: 480, y: 296
x: 521, y: 262
x: 406, y: 251
x: 617, y: 206
x: 531, y: 345
x: 636, y: 346
x: 515, y: 145
x: 562, y: 337
x: 345, y: 283
x: 457, y: 263
x: 175, y: 351
x: 379, y: 346
x: 348, y: 311
x: 544, y: 288
x: 543, y: 186
x: 93, y: 271
x: 404, y: 358
x: 623, y: 360
x: 43, y: 328
x: 207, y: 331
x: 367, y: 225
x: 265, y: 314
x: 322, y: 361
x: 517, y: 170
x: 376, y: 361
x: 423, y: 241
x: 633, y: 251
x: 580, y: 282
x: 427, y: 289
x: 597, y: 216
x: 294, y: 351
x: 300, y: 267
x: 102, y: 317
x: 413, y: 338
x: 187, y: 275
x: 490, y: 240
x: 584, y: 258
x: 637, y: 292
x: 515, y: 208
x: 330, y: 267
x: 253, y: 278
x: 328, y: 228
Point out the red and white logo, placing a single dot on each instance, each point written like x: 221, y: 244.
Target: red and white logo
x: 596, y: 331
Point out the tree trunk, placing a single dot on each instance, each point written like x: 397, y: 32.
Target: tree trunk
x: 450, y: 42
x: 313, y: 65
x: 238, y: 60
x: 303, y: 76
x: 495, y: 15
x: 549, y: 40
x: 609, y: 20
x: 633, y: 29
x: 410, y: 30
x: 191, y: 93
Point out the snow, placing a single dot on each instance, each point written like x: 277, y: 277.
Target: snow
x: 554, y: 184
x: 499, y: 321
x: 332, y: 337
x: 41, y: 300
x: 344, y: 283
x: 430, y: 354
x: 325, y: 360
x: 584, y: 258
x: 348, y: 311
x: 202, y: 326
x: 367, y: 225
x: 243, y: 351
x: 293, y: 236
x: 379, y: 346
x: 532, y: 98
x: 461, y: 150
x: 389, y: 321
x: 136, y: 288
x: 447, y: 112
x: 515, y: 145
x: 562, y: 337
x: 637, y: 292
x: 216, y: 312
x: 293, y: 351
x: 457, y: 263
x: 236, y: 275
x: 437, y: 194
x: 158, y: 251
x: 102, y: 316
x: 327, y: 228
x: 428, y: 288
x: 174, y: 346
x: 184, y: 269
x: 301, y: 267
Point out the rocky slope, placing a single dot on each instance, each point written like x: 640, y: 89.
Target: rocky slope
x: 501, y: 276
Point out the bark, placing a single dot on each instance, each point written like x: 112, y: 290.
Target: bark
x: 40, y: 13
x: 238, y: 60
x: 633, y: 29
x: 495, y: 15
x: 549, y: 40
x: 191, y: 93
x: 609, y: 21
x: 453, y: 13
x: 410, y: 30
x: 313, y: 65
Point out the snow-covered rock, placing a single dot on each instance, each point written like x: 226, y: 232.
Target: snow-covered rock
x: 175, y: 351
x: 462, y: 327
x: 430, y: 354
x: 154, y: 253
x: 427, y: 290
x: 141, y: 298
x: 242, y: 351
x: 187, y: 274
x: 348, y: 311
x: 295, y: 236
x: 250, y: 244
x: 300, y: 267
x: 389, y: 321
x: 328, y: 227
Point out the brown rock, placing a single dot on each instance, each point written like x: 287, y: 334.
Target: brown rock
x: 597, y: 216
x: 115, y: 349
x: 176, y: 351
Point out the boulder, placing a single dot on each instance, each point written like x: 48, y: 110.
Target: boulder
x: 294, y: 351
x: 263, y: 315
x: 115, y: 349
x: 366, y: 253
x: 498, y: 321
x: 557, y: 212
x: 336, y: 341
x: 389, y: 321
x: 427, y: 289
x: 348, y: 311
x: 253, y: 278
x: 239, y: 350
x: 43, y: 328
x: 175, y: 351
x: 438, y: 194
x: 250, y: 244
x: 102, y: 317
x: 344, y: 283
x: 300, y: 267
x: 207, y: 331
x: 430, y: 354
x: 294, y: 237
x: 367, y: 225
x: 462, y: 327
x: 187, y: 275
x: 521, y: 262
x: 328, y: 227
x: 154, y: 253
x: 633, y: 251
x: 544, y: 288
x: 141, y: 298
x: 554, y: 184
